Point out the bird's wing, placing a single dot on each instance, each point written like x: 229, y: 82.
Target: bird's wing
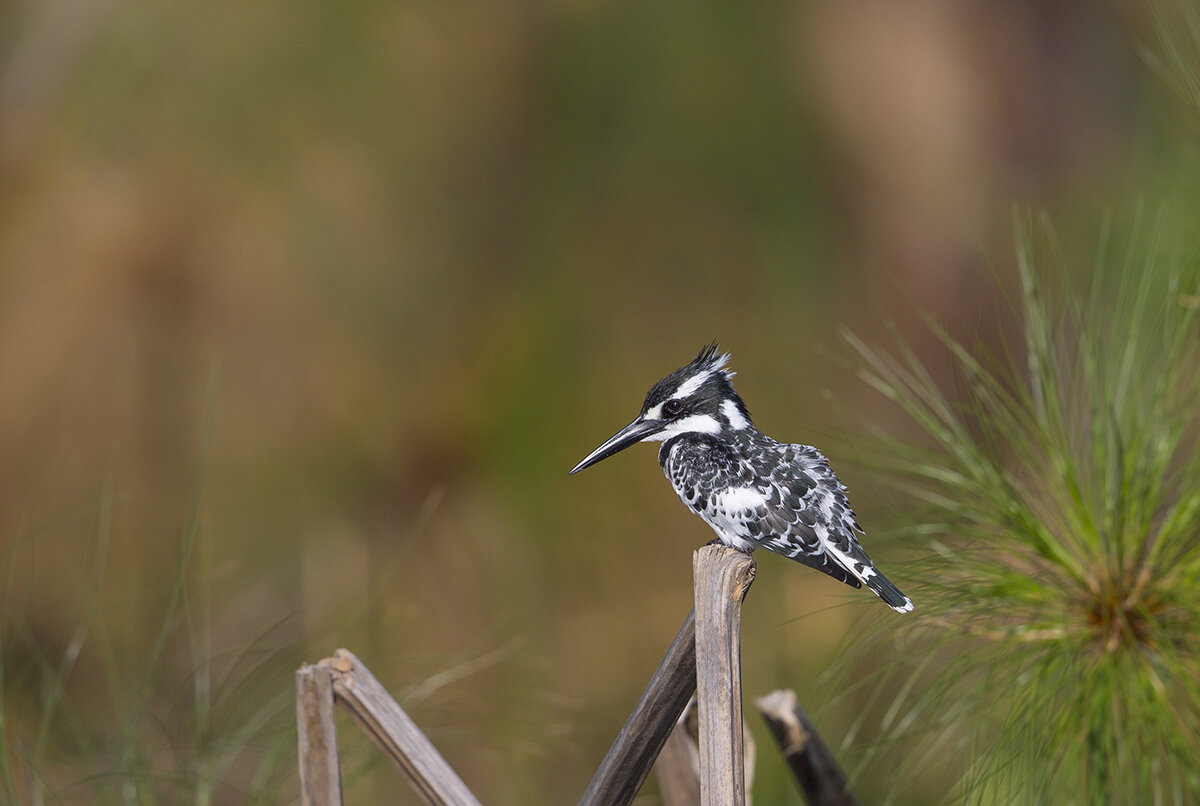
x: 807, y: 517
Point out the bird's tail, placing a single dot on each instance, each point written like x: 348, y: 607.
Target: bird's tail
x: 889, y: 593
x: 856, y: 567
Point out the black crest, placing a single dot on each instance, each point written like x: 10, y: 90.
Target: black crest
x: 717, y: 386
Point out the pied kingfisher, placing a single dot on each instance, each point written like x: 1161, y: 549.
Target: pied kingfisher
x: 752, y: 490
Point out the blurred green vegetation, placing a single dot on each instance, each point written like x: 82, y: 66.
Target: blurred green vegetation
x: 425, y: 256
x: 1061, y: 510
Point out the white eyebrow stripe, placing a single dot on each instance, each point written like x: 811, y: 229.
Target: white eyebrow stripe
x: 654, y: 412
x: 693, y: 383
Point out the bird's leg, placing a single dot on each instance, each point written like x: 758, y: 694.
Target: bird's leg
x: 716, y: 541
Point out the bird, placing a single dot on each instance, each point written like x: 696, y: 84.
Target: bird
x: 754, y: 491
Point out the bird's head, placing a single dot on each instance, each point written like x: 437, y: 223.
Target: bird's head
x: 694, y: 399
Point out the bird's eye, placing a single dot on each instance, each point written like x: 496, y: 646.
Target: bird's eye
x: 672, y: 407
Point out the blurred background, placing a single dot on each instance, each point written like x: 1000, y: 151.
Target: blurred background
x: 307, y: 308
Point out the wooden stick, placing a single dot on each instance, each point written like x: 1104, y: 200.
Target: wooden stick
x: 320, y: 775
x: 751, y: 755
x: 815, y: 768
x: 632, y: 754
x: 395, y: 733
x: 678, y: 767
x: 722, y: 578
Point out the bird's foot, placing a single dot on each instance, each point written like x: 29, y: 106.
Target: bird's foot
x: 716, y: 541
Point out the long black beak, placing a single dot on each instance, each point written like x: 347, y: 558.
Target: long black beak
x: 636, y: 431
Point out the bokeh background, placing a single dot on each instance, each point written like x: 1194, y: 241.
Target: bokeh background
x: 307, y: 308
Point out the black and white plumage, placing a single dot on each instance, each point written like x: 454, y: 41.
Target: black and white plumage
x: 753, y: 491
